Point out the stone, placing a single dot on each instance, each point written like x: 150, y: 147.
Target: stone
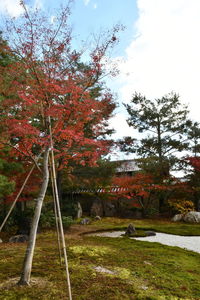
x: 1, y: 241
x: 97, y: 218
x: 130, y: 230
x: 79, y: 211
x: 85, y: 221
x: 97, y: 208
x: 110, y: 210
x: 21, y: 238
x: 192, y: 217
x: 104, y: 270
x: 147, y: 263
x: 150, y: 233
x: 177, y: 218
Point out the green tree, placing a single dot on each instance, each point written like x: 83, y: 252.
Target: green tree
x: 164, y: 124
x: 194, y: 138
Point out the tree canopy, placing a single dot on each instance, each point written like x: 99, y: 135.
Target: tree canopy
x: 163, y: 123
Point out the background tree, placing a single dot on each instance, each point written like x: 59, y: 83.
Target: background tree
x: 10, y: 167
x: 83, y: 182
x: 190, y: 165
x: 194, y: 138
x: 193, y: 178
x: 163, y: 123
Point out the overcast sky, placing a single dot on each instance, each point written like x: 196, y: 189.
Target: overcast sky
x: 159, y: 50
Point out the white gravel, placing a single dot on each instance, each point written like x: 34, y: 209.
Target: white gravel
x: 187, y: 242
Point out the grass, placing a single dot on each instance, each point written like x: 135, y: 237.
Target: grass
x: 141, y: 270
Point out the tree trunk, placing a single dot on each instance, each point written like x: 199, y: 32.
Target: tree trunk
x: 160, y: 155
x: 27, y: 266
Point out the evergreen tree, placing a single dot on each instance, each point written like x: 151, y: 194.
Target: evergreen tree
x: 194, y: 138
x: 164, y: 124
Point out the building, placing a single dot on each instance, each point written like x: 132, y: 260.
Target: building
x: 126, y: 167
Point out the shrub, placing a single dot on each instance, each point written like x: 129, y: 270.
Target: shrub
x: 47, y: 220
x: 181, y: 205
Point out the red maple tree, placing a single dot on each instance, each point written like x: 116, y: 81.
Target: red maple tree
x: 138, y: 189
x: 53, y: 100
x: 142, y: 191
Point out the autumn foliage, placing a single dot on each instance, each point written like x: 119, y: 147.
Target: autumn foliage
x: 47, y: 85
x: 142, y: 192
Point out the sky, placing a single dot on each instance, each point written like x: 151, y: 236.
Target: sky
x: 159, y: 51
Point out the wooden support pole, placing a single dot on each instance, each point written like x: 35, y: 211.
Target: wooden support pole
x: 59, y: 212
x: 17, y: 197
x: 56, y: 214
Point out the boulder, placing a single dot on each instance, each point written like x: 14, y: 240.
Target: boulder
x: 85, y: 221
x: 192, y: 217
x: 177, y: 218
x: 104, y: 270
x: 110, y: 210
x: 130, y: 230
x: 21, y: 238
x: 150, y: 233
x: 79, y: 211
x: 97, y: 218
x: 97, y: 208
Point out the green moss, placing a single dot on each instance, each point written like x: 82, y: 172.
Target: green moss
x: 90, y: 251
x: 142, y: 270
x: 164, y: 226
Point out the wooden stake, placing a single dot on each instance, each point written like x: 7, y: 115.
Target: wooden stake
x: 20, y: 191
x: 59, y: 212
x: 17, y: 197
x: 56, y: 215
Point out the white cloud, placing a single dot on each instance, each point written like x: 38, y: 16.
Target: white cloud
x: 165, y: 53
x: 11, y: 7
x: 95, y: 6
x: 118, y: 122
x: 86, y: 2
x: 52, y: 19
x: 38, y: 4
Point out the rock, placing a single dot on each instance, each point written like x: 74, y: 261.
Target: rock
x: 150, y: 233
x: 177, y: 218
x: 79, y: 211
x: 1, y: 241
x: 97, y: 208
x: 130, y: 230
x: 147, y: 263
x: 21, y: 238
x: 104, y: 270
x: 110, y: 210
x: 85, y: 221
x: 192, y: 217
x: 97, y: 218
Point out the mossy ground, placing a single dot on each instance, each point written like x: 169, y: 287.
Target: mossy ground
x: 141, y: 270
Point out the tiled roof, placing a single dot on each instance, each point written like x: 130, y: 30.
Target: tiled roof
x: 113, y: 189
